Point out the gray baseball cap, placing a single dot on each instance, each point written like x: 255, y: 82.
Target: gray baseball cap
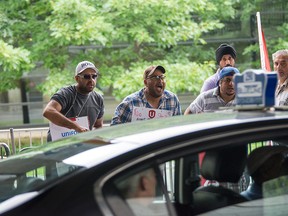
x: 84, y: 65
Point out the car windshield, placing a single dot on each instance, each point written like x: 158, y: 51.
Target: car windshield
x: 38, y: 169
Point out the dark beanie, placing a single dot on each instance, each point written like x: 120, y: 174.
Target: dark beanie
x: 224, y: 49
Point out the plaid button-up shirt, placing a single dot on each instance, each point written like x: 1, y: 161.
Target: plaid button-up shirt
x: 123, y: 112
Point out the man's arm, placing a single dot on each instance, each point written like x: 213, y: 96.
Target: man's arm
x: 98, y: 123
x: 187, y: 111
x: 122, y: 113
x: 205, y: 86
x: 197, y: 106
x: 210, y: 82
x: 52, y: 113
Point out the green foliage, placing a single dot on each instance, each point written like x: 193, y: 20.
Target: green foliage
x: 57, y: 80
x: 76, y: 22
x: 13, y: 62
x: 164, y: 22
x: 180, y: 77
x: 6, y: 32
x: 147, y: 31
x: 122, y: 37
x: 281, y: 42
x: 273, y: 45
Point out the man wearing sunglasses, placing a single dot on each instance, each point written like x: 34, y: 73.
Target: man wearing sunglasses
x: 221, y: 96
x: 152, y: 101
x: 80, y: 100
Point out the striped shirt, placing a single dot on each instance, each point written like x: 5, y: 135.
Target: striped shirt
x: 281, y: 94
x: 123, y: 112
x: 209, y: 101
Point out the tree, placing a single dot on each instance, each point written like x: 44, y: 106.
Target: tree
x: 122, y: 37
x: 148, y: 31
x: 276, y: 35
x: 13, y: 61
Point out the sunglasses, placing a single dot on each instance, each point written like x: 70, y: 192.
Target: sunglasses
x: 88, y: 76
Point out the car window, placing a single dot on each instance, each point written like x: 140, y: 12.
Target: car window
x: 140, y: 193
x: 168, y: 175
x: 38, y: 170
x: 32, y: 180
x: 196, y: 183
x: 275, y: 187
x: 267, y: 168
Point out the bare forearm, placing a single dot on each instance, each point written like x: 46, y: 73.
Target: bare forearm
x: 187, y: 111
x: 53, y: 114
x: 98, y: 123
x: 60, y: 120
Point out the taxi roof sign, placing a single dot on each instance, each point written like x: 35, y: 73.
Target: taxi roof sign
x: 255, y: 89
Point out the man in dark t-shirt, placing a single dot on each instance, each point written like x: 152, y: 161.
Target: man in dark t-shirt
x: 77, y: 101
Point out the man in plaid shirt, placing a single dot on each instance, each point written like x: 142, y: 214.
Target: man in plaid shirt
x: 153, y: 96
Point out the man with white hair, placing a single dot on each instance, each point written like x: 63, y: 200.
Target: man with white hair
x: 139, y: 191
x: 280, y: 62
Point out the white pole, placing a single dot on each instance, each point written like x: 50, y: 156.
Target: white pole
x: 262, y: 55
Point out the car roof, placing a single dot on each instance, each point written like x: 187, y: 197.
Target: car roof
x: 175, y: 125
x: 136, y: 142
x: 138, y: 134
x: 115, y: 140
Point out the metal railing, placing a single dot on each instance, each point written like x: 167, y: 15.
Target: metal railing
x: 13, y: 141
x: 18, y: 139
x: 4, y: 150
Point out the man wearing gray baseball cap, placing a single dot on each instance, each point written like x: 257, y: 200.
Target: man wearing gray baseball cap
x: 72, y: 102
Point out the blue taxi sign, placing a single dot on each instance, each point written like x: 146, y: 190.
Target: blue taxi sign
x: 255, y: 89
